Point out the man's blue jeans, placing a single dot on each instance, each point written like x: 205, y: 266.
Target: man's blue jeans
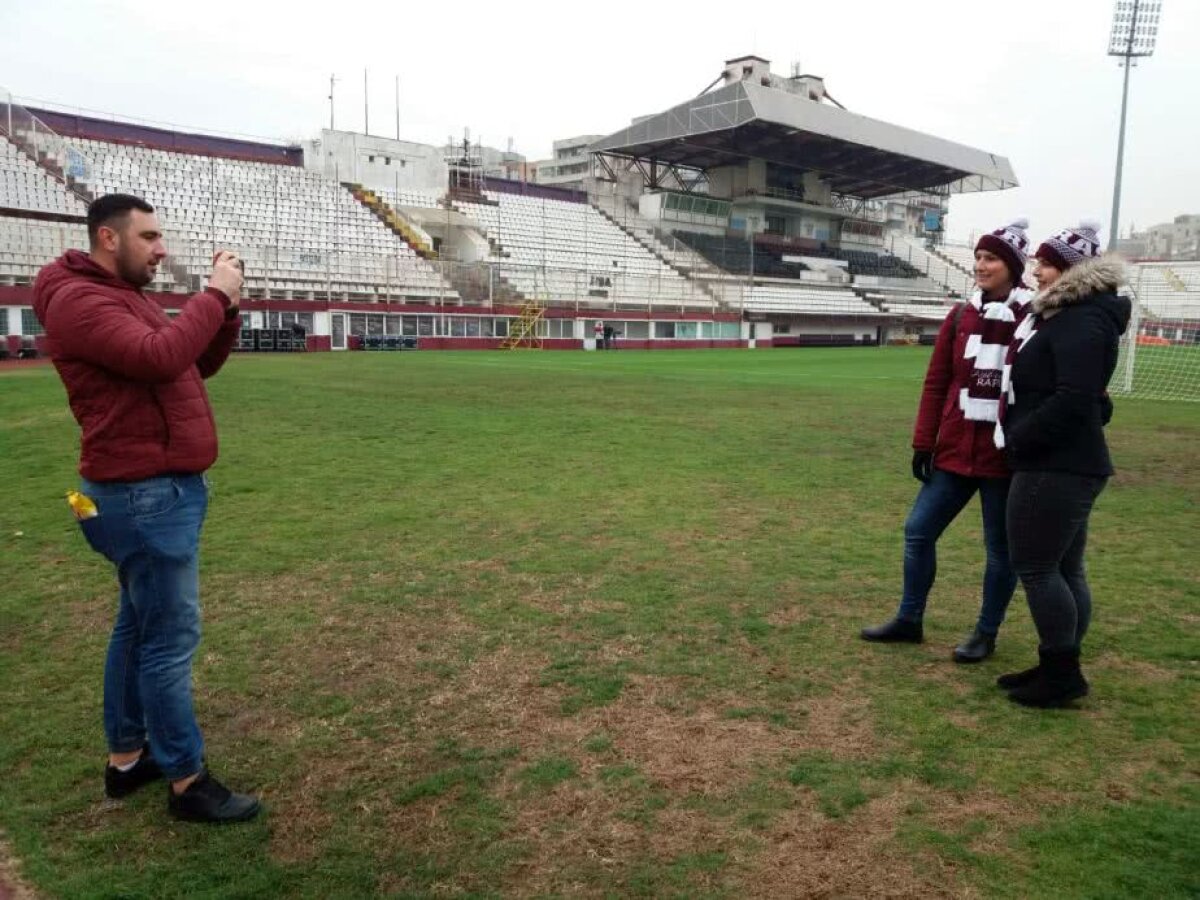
x: 150, y: 530
x: 936, y: 506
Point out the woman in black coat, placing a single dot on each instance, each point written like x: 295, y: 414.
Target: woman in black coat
x: 1052, y: 427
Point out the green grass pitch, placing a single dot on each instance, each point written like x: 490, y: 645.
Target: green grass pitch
x: 572, y: 624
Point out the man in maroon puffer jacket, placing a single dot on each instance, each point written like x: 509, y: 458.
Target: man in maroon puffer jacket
x: 134, y: 380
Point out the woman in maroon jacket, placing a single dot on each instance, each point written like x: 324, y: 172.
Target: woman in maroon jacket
x: 954, y: 455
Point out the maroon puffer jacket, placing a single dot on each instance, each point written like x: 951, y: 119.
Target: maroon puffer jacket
x: 959, y: 445
x: 132, y: 374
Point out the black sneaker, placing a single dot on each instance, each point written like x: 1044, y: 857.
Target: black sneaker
x: 118, y: 784
x: 897, y: 631
x: 207, y: 800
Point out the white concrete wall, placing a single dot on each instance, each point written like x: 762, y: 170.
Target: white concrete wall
x: 469, y: 245
x: 816, y: 190
x: 735, y: 181
x: 804, y: 326
x: 736, y: 70
x: 347, y: 156
x: 321, y: 323
x: 650, y: 206
x: 862, y: 242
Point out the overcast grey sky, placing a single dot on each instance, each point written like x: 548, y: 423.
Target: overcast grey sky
x: 1027, y: 79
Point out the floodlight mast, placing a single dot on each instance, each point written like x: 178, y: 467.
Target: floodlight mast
x: 1134, y: 35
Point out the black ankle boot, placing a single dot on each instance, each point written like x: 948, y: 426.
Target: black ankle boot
x: 1058, y: 681
x: 975, y: 648
x: 897, y: 631
x: 1010, y: 680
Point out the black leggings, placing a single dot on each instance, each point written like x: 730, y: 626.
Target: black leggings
x: 1047, y: 534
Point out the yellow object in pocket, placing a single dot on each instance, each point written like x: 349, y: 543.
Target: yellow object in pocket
x: 82, y: 505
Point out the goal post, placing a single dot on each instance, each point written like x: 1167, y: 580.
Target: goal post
x: 1160, y: 351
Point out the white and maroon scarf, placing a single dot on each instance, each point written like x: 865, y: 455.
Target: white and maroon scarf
x: 988, y: 345
x: 1025, y: 331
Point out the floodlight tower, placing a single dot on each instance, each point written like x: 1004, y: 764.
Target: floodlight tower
x: 1134, y: 34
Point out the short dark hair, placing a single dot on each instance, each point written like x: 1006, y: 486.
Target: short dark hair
x: 107, y: 209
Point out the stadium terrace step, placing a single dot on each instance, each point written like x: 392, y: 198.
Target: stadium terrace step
x: 645, y: 237
x: 951, y: 260
x: 32, y: 181
x: 563, y: 249
x: 483, y: 286
x: 392, y: 219
x: 302, y: 236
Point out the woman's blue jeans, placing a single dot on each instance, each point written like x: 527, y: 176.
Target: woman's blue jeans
x: 937, y: 504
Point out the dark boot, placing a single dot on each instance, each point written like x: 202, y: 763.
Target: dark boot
x: 975, y: 648
x: 118, y: 784
x: 897, y: 631
x: 207, y: 800
x: 1058, y: 682
x: 1011, y: 680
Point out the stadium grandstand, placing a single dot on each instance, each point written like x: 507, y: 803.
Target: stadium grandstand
x: 759, y: 213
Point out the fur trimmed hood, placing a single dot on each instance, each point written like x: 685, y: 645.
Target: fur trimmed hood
x: 1102, y: 275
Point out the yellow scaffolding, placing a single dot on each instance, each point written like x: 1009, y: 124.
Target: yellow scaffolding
x: 523, y: 330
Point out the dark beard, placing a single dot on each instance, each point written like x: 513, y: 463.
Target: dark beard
x: 131, y: 274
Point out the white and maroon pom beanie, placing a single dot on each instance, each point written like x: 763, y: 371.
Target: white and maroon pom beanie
x: 1071, y: 246
x: 1011, y: 244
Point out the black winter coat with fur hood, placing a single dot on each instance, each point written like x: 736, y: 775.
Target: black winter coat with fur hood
x: 1060, y: 375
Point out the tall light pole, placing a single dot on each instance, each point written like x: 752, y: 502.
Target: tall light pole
x: 332, y: 82
x: 1134, y: 34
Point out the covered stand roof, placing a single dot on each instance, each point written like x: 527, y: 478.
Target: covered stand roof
x: 860, y: 157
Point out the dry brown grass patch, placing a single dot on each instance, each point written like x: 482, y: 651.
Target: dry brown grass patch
x: 683, y: 750
x: 299, y: 823
x: 1139, y: 669
x: 953, y: 812
x: 808, y: 855
x: 12, y: 886
x: 571, y: 830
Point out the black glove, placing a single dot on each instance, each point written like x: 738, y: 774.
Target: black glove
x: 1106, y: 408
x: 922, y: 465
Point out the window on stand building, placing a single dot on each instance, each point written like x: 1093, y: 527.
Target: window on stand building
x: 30, y: 326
